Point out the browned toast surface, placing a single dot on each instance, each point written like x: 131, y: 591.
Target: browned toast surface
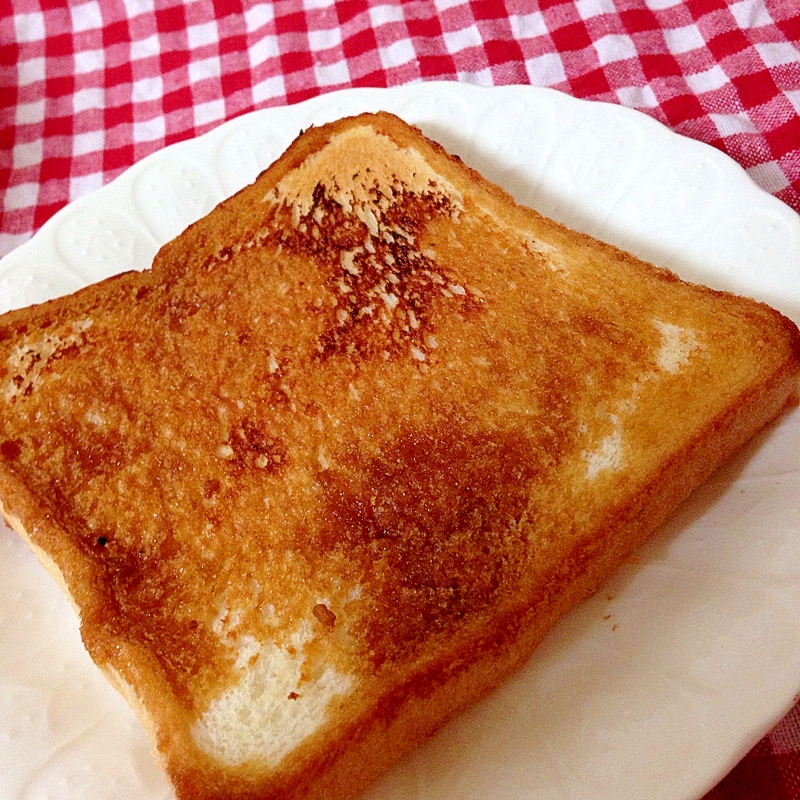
x: 333, y: 466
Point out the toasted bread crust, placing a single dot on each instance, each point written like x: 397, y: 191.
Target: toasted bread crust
x: 344, y: 455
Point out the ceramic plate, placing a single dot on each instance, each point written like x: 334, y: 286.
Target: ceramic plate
x: 653, y: 688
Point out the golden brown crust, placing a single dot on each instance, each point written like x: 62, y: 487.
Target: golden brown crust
x: 353, y: 444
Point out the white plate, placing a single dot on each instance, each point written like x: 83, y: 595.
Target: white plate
x: 652, y: 689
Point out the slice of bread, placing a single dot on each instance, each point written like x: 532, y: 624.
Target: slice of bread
x: 330, y: 470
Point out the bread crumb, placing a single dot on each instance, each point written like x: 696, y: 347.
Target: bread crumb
x: 324, y: 615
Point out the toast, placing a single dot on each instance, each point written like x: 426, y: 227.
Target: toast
x: 330, y: 470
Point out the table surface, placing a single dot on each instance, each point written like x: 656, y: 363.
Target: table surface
x: 87, y: 89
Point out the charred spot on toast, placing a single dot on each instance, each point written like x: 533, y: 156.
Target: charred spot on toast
x: 253, y: 447
x: 211, y: 487
x: 11, y: 449
x: 434, y: 522
x: 384, y: 288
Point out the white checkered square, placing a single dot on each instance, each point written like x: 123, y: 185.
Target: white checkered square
x: 750, y: 14
x: 637, y: 97
x: 149, y: 130
x: 146, y: 89
x: 708, y: 80
x: 145, y: 48
x: 682, y: 40
x: 23, y: 195
x: 793, y: 96
x: 441, y: 5
x: 30, y: 71
x: 80, y: 185
x: 396, y: 54
x: 206, y: 113
x: 462, y: 39
x: 269, y: 89
x: 207, y: 68
x: 87, y: 61
x: 30, y: 113
x: 769, y: 176
x: 258, y: 16
x: 87, y: 99
x: 86, y: 17
x: 27, y: 154
x: 383, y: 14
x: 615, y: 47
x: 546, y: 69
x: 731, y: 124
x: 324, y: 39
x: 331, y: 74
x: 201, y: 35
x: 594, y: 8
x: 263, y: 50
x: 777, y: 54
x: 528, y: 26
x: 29, y: 27
x: 88, y: 142
x: 134, y: 8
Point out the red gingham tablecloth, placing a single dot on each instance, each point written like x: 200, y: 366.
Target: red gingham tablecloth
x: 89, y: 88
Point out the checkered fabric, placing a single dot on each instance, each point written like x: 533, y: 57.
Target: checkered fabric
x: 89, y: 88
